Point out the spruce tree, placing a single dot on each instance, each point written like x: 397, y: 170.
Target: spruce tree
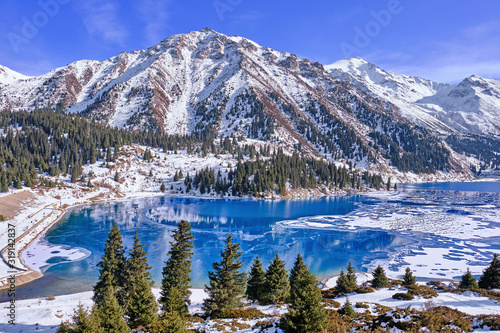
x: 169, y: 323
x: 379, y: 278
x: 409, y: 279
x: 351, y: 276
x: 83, y: 321
x: 141, y: 307
x: 277, y: 284
x: 468, y: 281
x: 342, y: 284
x: 111, y: 313
x: 306, y: 312
x: 297, y: 271
x: 491, y: 275
x: 113, y: 267
x: 256, y: 280
x: 347, y: 309
x: 227, y: 282
x: 176, y: 278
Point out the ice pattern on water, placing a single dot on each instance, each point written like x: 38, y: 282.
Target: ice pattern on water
x: 453, y: 229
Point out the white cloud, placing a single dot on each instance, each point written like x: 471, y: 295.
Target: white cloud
x: 154, y: 14
x: 101, y: 20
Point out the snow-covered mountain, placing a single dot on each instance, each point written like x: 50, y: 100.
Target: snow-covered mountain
x: 207, y: 84
x: 8, y: 76
x: 473, y: 106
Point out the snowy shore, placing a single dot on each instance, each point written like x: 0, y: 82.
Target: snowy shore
x: 129, y: 177
x: 45, y: 314
x: 42, y: 208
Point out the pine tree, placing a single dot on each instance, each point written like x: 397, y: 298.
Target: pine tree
x: 169, y: 323
x: 297, y: 271
x: 256, y: 280
x: 468, y: 281
x: 142, y: 308
x: 342, y: 284
x: 277, y: 284
x: 111, y: 313
x: 176, y: 280
x: 351, y: 276
x: 347, y: 309
x: 306, y: 312
x: 491, y: 275
x: 379, y: 278
x: 162, y: 187
x: 83, y: 321
x: 113, y: 267
x: 409, y: 279
x: 227, y: 282
x: 140, y: 303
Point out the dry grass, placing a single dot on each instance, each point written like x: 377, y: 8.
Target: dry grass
x: 11, y: 204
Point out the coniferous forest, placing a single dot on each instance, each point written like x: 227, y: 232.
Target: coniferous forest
x: 43, y: 142
x: 124, y: 301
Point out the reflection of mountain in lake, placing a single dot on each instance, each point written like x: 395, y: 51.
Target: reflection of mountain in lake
x: 328, y: 232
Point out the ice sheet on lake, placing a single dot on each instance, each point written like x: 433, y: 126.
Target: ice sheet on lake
x: 40, y: 255
x: 455, y: 230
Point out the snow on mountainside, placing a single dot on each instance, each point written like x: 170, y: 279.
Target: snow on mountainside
x: 473, y: 106
x: 409, y: 88
x: 210, y: 85
x: 400, y: 90
x: 8, y: 76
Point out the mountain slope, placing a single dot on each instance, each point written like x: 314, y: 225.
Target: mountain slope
x: 471, y: 107
x: 212, y: 86
x: 8, y: 76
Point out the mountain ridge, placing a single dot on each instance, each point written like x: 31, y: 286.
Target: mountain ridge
x: 207, y: 84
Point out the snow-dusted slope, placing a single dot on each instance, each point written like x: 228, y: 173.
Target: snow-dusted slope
x: 209, y: 84
x: 8, y: 76
x: 472, y: 105
x: 408, y: 88
x: 400, y: 90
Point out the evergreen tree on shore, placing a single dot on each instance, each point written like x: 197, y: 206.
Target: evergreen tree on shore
x: 176, y: 272
x: 342, y: 284
x: 141, y: 307
x: 351, y: 276
x: 306, y: 312
x: 379, y: 278
x: 227, y: 282
x: 277, y: 283
x: 113, y: 268
x: 82, y: 321
x: 468, y: 281
x: 491, y: 275
x: 298, y: 270
x: 409, y: 279
x: 111, y: 313
x: 256, y: 281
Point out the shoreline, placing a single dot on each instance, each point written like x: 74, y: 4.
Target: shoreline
x: 25, y: 274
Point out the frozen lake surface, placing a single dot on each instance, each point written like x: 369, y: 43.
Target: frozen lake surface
x: 438, y: 230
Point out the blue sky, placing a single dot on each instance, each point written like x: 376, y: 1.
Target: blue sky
x: 441, y: 40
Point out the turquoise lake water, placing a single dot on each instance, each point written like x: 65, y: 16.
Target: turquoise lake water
x: 254, y: 224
